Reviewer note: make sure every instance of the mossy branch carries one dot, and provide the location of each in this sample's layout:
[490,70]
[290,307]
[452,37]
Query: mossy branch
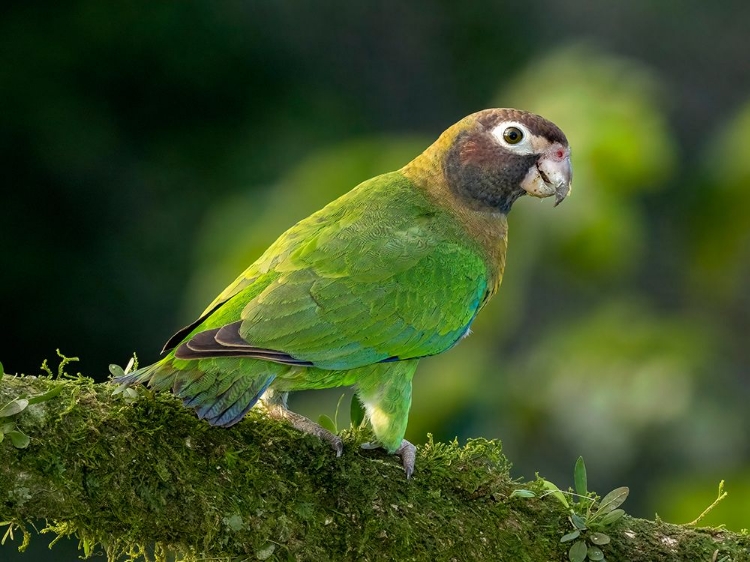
[148,478]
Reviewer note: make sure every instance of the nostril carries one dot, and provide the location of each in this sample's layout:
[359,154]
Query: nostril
[558,153]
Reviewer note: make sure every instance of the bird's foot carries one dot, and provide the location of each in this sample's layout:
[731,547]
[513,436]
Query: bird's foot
[305,425]
[406,451]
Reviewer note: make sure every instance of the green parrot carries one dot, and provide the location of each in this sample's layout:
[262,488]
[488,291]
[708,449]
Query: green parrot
[358,292]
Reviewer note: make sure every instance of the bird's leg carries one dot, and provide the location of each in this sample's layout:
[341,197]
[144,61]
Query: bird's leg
[387,400]
[275,404]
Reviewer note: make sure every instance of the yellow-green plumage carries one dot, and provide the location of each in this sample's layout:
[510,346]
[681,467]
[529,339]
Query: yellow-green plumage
[355,294]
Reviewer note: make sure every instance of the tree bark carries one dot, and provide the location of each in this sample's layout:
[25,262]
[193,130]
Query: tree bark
[144,476]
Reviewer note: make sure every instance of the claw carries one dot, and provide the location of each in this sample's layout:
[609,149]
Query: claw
[408,454]
[406,451]
[337,444]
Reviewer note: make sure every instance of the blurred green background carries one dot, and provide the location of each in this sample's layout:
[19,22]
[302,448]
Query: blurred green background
[151,151]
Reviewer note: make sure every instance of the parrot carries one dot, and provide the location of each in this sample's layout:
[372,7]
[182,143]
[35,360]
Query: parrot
[358,292]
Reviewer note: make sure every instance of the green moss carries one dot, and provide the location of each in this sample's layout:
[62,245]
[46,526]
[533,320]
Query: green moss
[147,479]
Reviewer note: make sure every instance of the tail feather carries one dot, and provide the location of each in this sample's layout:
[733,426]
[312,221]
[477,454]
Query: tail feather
[196,389]
[190,384]
[220,393]
[228,408]
[237,411]
[158,376]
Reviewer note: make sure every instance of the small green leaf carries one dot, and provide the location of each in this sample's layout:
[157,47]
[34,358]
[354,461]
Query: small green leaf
[120,389]
[116,370]
[46,396]
[571,536]
[612,516]
[356,412]
[595,553]
[578,552]
[2,436]
[2,371]
[20,440]
[555,492]
[613,500]
[521,493]
[578,521]
[579,477]
[13,407]
[599,538]
[327,423]
[131,364]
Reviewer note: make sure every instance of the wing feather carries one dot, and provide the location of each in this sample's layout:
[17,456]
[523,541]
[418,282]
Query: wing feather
[378,275]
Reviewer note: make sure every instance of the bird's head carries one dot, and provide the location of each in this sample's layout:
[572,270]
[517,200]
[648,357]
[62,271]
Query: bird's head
[493,157]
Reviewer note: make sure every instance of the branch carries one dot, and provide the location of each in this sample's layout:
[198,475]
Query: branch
[148,478]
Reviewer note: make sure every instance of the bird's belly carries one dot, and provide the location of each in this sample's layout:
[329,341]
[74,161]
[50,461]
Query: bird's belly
[310,378]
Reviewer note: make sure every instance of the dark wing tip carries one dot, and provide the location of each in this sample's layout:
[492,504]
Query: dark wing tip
[226,341]
[183,332]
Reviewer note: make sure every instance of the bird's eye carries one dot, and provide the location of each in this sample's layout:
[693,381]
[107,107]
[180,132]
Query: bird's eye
[513,135]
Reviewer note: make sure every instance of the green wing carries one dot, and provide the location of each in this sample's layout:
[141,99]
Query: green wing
[379,274]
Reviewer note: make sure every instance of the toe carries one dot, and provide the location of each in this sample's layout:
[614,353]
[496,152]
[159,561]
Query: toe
[406,451]
[408,454]
[338,445]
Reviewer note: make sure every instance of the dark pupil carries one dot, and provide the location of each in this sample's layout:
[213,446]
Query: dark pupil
[512,135]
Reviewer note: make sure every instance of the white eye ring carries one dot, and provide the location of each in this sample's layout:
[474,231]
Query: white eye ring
[521,147]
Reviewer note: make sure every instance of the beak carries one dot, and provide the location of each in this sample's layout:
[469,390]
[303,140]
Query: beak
[556,171]
[552,174]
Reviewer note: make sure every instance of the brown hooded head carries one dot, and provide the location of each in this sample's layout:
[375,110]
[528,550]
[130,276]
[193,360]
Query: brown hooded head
[491,158]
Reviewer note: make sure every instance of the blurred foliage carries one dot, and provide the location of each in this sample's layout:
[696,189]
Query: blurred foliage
[622,146]
[155,151]
[623,367]
[720,217]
